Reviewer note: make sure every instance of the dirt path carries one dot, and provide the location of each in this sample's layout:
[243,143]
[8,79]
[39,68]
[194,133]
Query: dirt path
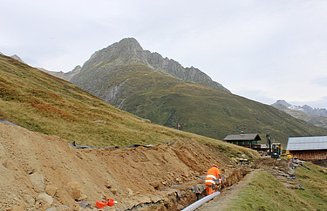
[222,201]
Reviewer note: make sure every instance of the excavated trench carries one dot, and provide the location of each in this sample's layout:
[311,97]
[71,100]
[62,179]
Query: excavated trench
[185,196]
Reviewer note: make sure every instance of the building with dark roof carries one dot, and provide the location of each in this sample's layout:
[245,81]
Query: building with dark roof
[246,140]
[308,148]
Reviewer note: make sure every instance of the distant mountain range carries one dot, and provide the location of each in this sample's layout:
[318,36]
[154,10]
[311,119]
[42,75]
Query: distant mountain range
[163,91]
[17,58]
[315,116]
[66,76]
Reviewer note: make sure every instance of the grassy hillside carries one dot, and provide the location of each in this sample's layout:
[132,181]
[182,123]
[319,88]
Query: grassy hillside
[265,192]
[43,103]
[167,101]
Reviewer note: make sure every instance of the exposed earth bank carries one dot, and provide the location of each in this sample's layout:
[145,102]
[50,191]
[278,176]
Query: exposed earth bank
[40,172]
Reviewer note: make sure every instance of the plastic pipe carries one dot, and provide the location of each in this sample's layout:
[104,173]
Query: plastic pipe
[200,202]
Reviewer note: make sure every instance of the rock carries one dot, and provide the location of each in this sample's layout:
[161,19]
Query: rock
[63,208]
[74,190]
[113,190]
[45,198]
[323,171]
[30,170]
[37,181]
[51,190]
[82,197]
[108,184]
[179,180]
[300,187]
[155,185]
[180,207]
[84,204]
[290,171]
[130,192]
[52,209]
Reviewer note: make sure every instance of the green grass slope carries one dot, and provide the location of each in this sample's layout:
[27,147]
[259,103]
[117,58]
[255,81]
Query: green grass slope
[206,111]
[43,103]
[265,192]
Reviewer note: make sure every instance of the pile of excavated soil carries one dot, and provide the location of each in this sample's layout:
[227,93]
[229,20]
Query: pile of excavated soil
[40,172]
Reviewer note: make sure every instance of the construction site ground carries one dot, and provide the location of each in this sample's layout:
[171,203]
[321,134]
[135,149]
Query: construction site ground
[40,172]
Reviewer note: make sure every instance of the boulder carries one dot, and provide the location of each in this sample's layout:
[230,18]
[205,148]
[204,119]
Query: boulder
[37,181]
[75,190]
[43,197]
[51,190]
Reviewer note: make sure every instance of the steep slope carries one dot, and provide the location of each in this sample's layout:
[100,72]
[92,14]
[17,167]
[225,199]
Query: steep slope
[315,116]
[114,75]
[43,103]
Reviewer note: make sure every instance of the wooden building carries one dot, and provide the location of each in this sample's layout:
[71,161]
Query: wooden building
[246,140]
[308,148]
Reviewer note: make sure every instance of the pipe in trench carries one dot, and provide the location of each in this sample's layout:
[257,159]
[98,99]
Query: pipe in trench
[200,202]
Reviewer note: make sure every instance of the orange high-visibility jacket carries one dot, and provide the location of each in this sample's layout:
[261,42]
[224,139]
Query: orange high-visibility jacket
[212,175]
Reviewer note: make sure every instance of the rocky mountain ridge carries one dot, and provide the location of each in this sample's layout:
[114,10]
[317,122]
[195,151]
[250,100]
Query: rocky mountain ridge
[129,51]
[315,116]
[66,76]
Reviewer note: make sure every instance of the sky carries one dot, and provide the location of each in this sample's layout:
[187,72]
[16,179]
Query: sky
[263,50]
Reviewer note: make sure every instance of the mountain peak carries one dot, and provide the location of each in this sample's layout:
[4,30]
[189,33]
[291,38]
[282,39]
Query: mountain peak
[17,58]
[130,43]
[128,51]
[283,103]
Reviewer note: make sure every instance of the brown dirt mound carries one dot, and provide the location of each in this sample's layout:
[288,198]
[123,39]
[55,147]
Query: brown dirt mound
[39,171]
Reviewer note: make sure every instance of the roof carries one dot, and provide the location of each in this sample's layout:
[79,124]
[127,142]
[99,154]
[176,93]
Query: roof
[243,137]
[307,143]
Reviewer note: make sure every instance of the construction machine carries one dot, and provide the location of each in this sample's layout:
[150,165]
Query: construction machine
[276,150]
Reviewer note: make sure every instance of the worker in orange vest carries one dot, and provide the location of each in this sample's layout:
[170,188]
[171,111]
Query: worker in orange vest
[213,178]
